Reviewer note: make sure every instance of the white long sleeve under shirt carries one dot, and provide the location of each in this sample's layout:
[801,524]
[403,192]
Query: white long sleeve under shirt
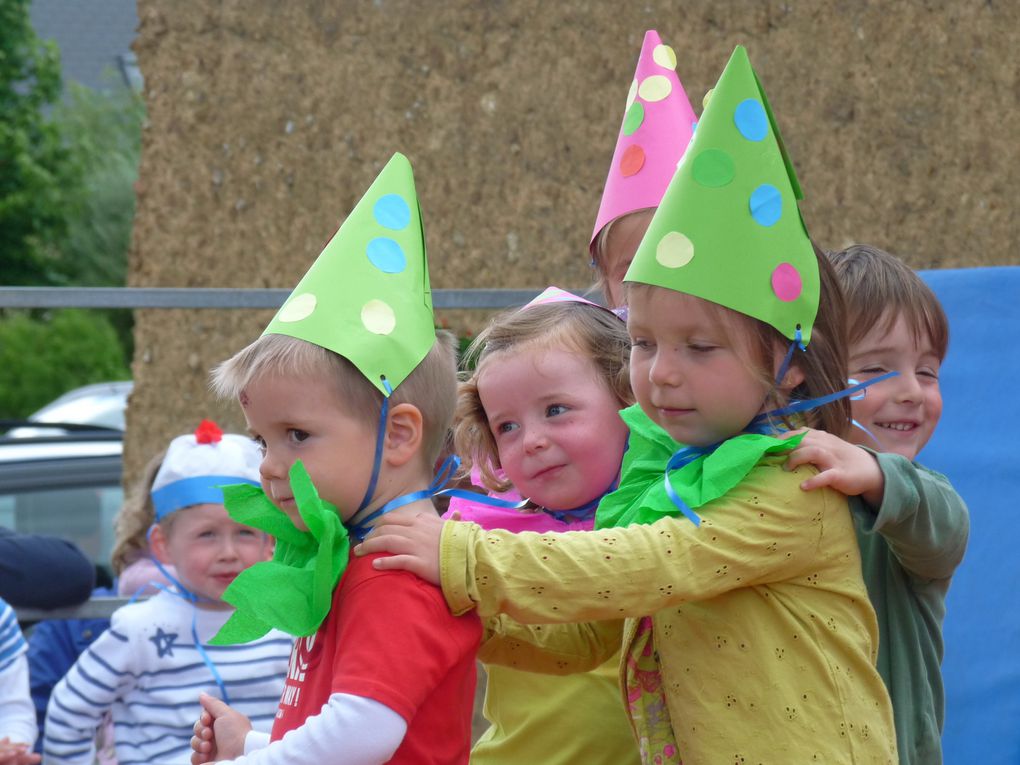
[350,730]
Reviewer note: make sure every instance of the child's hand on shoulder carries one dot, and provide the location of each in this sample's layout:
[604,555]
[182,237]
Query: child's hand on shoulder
[17,754]
[219,732]
[841,465]
[412,544]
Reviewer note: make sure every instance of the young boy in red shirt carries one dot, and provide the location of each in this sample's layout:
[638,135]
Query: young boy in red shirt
[350,394]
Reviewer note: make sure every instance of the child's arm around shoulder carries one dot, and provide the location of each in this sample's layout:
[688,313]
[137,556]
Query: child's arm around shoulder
[922,517]
[916,510]
[841,465]
[614,573]
[412,544]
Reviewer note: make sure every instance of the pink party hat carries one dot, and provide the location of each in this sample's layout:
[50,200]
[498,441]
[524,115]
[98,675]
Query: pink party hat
[657,126]
[557,295]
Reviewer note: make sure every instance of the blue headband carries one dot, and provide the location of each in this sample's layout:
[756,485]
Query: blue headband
[200,490]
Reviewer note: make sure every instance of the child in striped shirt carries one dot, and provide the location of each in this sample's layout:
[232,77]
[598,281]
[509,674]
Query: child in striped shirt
[150,666]
[17,717]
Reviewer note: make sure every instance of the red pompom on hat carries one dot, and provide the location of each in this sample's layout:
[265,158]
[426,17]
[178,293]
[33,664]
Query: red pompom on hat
[208,432]
[197,466]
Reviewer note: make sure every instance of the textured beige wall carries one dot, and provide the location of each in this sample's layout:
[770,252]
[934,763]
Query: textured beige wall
[267,120]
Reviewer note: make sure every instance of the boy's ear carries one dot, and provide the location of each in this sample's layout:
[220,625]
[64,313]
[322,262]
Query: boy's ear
[405,432]
[158,544]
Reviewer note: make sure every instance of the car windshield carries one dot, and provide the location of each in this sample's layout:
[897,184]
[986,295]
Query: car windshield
[100,404]
[107,411]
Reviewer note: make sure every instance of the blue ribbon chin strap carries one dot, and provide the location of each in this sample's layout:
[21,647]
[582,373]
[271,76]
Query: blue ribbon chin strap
[361,523]
[380,437]
[687,454]
[794,407]
[577,514]
[797,342]
[188,596]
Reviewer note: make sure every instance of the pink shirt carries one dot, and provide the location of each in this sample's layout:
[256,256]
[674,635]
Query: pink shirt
[512,520]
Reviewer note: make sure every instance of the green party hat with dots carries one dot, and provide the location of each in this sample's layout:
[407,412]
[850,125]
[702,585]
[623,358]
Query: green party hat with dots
[367,296]
[729,229]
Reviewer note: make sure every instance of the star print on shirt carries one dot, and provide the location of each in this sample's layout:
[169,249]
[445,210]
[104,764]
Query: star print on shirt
[164,642]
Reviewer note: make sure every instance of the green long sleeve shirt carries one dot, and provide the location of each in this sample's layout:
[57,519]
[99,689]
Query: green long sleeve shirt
[910,547]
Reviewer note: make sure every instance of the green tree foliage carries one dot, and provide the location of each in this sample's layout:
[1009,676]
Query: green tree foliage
[35,165]
[102,130]
[42,358]
[67,203]
[67,197]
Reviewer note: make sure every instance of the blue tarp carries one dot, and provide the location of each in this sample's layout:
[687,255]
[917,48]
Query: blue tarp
[975,446]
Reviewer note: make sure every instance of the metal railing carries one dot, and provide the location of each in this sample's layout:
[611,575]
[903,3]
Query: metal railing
[213,297]
[95,607]
[201,298]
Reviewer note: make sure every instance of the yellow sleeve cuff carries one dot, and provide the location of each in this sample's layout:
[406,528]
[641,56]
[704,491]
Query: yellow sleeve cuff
[454,544]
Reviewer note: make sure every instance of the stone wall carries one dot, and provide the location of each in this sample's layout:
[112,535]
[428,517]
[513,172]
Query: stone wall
[267,121]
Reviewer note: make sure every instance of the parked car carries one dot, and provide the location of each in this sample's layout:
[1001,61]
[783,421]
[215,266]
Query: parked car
[100,404]
[65,482]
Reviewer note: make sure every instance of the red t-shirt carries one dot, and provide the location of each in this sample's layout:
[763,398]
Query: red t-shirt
[390,637]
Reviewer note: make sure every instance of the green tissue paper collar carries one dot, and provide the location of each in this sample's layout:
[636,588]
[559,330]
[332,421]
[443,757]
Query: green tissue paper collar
[293,591]
[641,497]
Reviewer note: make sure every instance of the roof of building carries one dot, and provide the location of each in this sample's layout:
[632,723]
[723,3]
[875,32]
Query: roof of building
[94,38]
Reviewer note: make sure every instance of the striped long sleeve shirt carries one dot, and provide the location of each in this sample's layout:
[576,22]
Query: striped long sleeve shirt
[17,715]
[147,671]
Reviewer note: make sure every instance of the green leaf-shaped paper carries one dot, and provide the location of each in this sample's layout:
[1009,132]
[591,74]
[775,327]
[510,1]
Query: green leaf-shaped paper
[294,590]
[728,229]
[367,296]
[642,496]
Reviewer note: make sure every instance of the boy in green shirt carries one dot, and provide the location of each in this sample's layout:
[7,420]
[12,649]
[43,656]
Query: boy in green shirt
[911,525]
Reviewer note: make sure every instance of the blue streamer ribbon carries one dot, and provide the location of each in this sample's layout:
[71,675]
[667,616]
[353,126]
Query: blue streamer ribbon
[687,454]
[188,596]
[797,342]
[576,514]
[361,526]
[681,457]
[807,404]
[857,424]
[584,512]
